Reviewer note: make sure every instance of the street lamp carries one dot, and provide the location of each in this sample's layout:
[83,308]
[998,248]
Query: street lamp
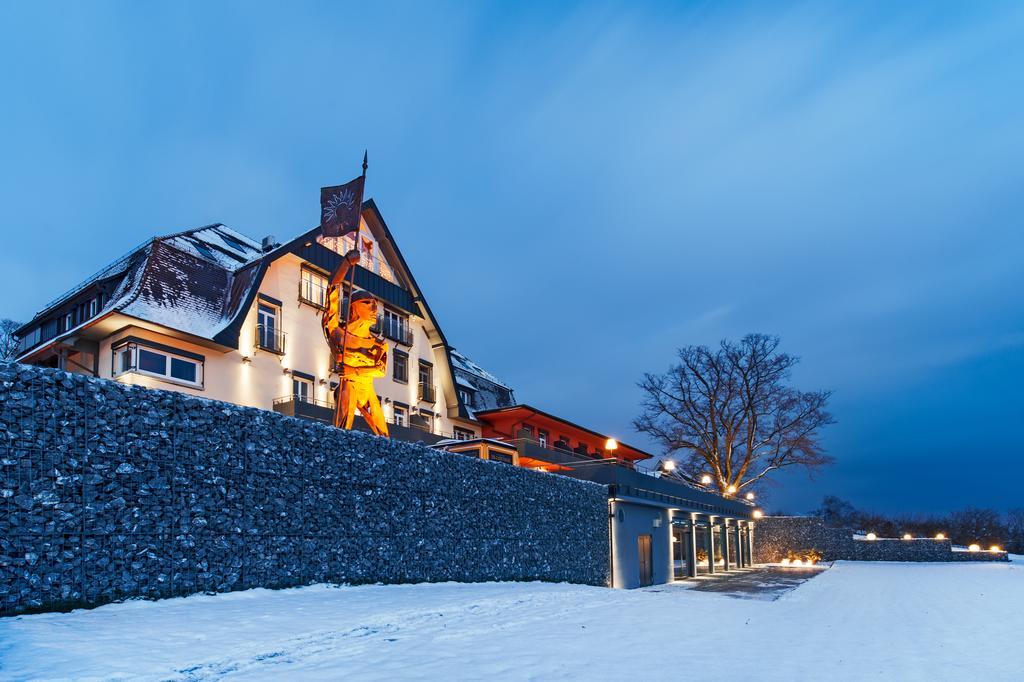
[610,446]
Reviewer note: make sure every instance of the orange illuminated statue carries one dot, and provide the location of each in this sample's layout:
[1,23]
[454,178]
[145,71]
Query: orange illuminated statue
[359,355]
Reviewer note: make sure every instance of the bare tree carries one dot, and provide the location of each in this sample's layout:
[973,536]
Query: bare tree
[731,413]
[8,341]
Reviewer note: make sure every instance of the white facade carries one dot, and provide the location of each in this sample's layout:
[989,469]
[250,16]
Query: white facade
[293,362]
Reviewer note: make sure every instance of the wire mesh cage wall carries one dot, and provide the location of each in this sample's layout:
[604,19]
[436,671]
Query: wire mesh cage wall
[110,491]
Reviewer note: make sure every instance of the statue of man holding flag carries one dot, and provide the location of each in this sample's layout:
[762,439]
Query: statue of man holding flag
[359,355]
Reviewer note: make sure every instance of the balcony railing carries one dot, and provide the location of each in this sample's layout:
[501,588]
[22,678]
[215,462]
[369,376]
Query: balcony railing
[410,428]
[427,393]
[270,338]
[395,329]
[312,293]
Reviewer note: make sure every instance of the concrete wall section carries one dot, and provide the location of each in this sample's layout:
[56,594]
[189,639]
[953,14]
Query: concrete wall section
[629,522]
[111,491]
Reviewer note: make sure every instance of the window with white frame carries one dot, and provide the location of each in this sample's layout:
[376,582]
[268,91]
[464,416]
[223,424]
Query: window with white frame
[401,416]
[159,362]
[395,326]
[313,288]
[93,307]
[464,434]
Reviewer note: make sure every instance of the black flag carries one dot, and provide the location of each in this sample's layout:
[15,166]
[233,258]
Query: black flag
[340,208]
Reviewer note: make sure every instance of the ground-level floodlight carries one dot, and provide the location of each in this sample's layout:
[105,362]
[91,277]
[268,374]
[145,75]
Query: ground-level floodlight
[974,548]
[750,496]
[995,548]
[758,513]
[731,489]
[907,536]
[940,536]
[871,536]
[705,479]
[668,465]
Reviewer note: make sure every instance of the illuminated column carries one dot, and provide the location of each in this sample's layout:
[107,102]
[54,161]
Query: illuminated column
[750,543]
[725,544]
[711,544]
[741,560]
[691,548]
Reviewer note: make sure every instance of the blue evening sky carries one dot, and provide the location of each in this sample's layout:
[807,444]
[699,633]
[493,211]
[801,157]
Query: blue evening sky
[581,188]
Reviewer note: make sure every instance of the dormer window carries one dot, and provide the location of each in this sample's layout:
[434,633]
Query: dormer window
[94,306]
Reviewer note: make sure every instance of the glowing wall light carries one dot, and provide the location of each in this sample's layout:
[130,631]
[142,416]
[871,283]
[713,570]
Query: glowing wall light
[974,548]
[871,536]
[995,548]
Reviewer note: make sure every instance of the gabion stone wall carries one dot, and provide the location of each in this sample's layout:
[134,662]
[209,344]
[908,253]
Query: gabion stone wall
[110,491]
[776,536]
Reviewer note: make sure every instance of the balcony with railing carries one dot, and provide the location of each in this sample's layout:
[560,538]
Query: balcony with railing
[411,429]
[312,293]
[396,329]
[270,338]
[427,393]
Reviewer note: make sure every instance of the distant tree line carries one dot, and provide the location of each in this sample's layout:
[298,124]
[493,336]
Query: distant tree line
[986,527]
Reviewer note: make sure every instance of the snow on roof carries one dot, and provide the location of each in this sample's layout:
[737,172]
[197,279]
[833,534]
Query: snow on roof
[218,244]
[118,267]
[460,361]
[183,291]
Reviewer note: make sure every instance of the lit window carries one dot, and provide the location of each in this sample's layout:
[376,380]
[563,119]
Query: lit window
[313,288]
[302,389]
[426,377]
[268,333]
[395,326]
[159,363]
[400,367]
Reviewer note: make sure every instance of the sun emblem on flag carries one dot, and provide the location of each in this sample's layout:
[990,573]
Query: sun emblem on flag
[339,203]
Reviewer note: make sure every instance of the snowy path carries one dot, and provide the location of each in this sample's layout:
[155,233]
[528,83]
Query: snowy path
[855,621]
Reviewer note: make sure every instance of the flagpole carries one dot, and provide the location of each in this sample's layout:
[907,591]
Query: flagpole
[351,283]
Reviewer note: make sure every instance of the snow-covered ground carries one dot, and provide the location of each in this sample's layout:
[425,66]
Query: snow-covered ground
[853,621]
